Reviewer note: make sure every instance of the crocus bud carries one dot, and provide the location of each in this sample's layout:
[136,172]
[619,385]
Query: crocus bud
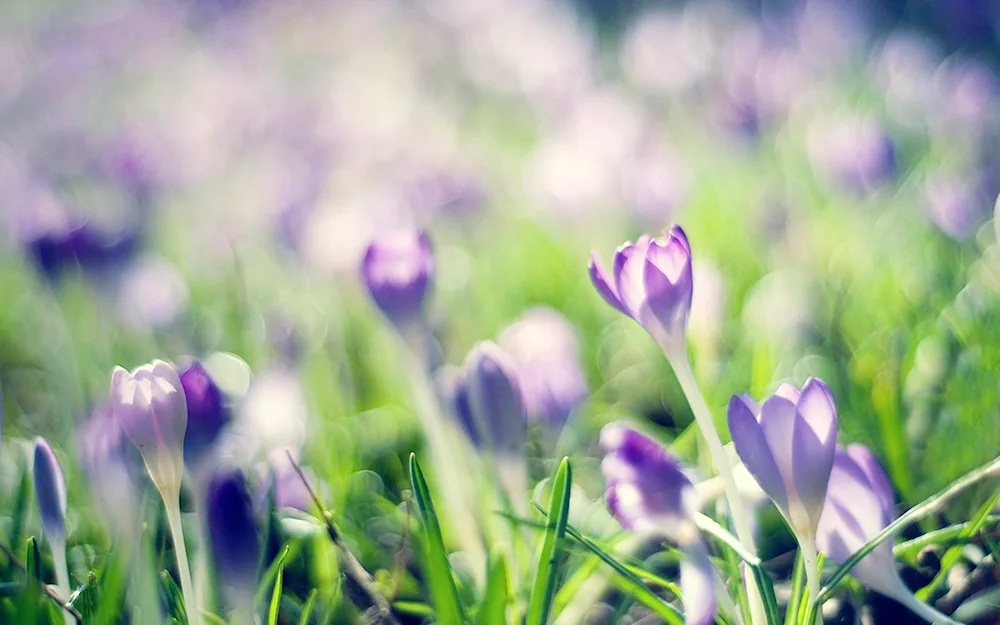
[488,401]
[207,412]
[234,531]
[788,446]
[859,505]
[648,490]
[651,282]
[545,348]
[397,270]
[149,405]
[50,490]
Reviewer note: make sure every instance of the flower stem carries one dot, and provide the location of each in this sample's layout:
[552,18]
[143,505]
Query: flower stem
[923,610]
[807,545]
[58,546]
[171,501]
[678,360]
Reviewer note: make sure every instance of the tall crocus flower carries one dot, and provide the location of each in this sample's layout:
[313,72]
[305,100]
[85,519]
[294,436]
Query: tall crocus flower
[207,412]
[651,282]
[647,490]
[859,505]
[150,407]
[397,270]
[788,445]
[50,491]
[235,535]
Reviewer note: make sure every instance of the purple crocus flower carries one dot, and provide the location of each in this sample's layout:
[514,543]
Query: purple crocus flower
[56,251]
[788,445]
[150,406]
[234,530]
[488,401]
[859,505]
[651,282]
[397,270]
[207,410]
[545,348]
[648,490]
[50,490]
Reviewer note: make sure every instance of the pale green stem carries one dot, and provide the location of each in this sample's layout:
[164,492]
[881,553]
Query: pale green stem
[678,359]
[923,610]
[445,449]
[58,546]
[171,502]
[807,546]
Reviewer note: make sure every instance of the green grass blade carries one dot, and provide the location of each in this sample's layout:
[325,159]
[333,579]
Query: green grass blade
[951,556]
[709,526]
[630,582]
[910,549]
[493,610]
[272,611]
[928,506]
[308,607]
[443,591]
[547,571]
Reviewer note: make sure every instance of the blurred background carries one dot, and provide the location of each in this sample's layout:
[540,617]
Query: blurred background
[188,177]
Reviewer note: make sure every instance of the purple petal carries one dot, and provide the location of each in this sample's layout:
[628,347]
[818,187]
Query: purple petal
[677,234]
[629,266]
[602,282]
[50,489]
[877,478]
[697,585]
[814,442]
[668,288]
[753,449]
[789,392]
[777,421]
[495,399]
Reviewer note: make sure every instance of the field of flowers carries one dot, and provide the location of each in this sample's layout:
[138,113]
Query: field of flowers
[491,312]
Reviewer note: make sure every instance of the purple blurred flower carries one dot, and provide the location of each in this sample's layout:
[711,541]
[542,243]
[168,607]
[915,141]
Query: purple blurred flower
[57,251]
[859,505]
[953,205]
[234,530]
[150,406]
[651,282]
[546,351]
[854,152]
[397,270]
[788,446]
[488,401]
[50,490]
[207,410]
[648,490]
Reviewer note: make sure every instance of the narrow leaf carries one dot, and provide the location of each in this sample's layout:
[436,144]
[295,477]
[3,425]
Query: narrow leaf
[272,611]
[493,610]
[547,571]
[442,583]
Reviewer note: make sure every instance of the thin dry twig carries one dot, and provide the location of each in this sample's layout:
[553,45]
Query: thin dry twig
[45,587]
[352,566]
